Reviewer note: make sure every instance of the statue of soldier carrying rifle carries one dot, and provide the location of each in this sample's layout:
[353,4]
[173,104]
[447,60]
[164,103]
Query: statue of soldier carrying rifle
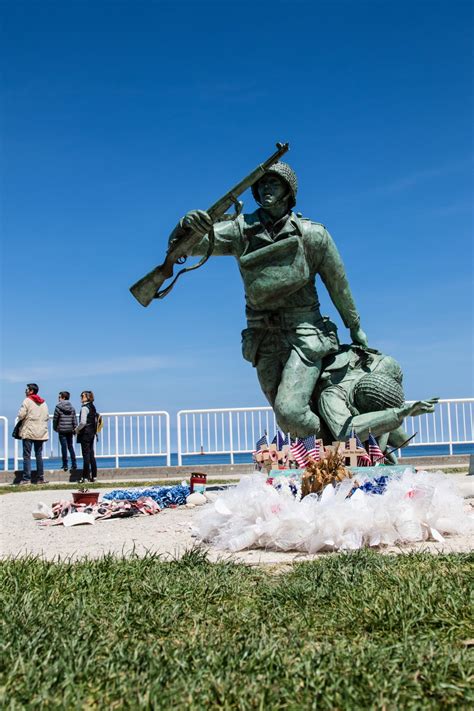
[279,255]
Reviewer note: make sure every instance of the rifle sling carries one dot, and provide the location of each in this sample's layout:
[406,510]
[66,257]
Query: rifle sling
[163,292]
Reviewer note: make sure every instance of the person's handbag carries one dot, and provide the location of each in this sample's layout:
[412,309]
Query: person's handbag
[16,430]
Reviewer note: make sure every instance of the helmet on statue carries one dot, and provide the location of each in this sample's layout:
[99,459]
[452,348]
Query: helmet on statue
[285,173]
[391,367]
[376,391]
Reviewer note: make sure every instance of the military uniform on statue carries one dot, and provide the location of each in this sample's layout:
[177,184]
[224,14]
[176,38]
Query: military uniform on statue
[279,255]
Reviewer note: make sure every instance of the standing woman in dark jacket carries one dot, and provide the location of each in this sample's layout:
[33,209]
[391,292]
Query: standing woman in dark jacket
[86,432]
[65,423]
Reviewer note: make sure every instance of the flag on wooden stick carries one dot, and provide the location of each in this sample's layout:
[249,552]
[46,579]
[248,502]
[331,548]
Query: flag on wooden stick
[305,449]
[262,442]
[375,453]
[363,460]
[280,440]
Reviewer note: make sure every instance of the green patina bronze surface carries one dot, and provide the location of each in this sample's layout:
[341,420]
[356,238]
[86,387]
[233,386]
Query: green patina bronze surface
[315,385]
[280,255]
[360,390]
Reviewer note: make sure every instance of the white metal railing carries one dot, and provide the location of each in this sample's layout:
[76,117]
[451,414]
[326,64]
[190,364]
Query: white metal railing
[222,431]
[451,423]
[125,434]
[233,431]
[4,421]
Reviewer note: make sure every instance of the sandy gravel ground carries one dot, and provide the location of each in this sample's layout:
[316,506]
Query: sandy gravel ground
[169,533]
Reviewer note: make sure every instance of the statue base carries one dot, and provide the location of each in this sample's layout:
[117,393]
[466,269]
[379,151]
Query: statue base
[389,470]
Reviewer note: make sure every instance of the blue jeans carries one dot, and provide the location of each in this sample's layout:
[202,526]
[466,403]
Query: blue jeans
[38,445]
[66,442]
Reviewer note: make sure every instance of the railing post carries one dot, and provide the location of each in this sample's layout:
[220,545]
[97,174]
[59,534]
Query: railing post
[5,442]
[231,439]
[51,437]
[117,458]
[178,437]
[168,440]
[450,431]
[15,452]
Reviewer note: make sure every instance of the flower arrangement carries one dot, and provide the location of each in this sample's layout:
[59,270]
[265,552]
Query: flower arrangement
[329,470]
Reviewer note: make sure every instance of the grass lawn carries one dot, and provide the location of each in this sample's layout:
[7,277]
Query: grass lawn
[347,631]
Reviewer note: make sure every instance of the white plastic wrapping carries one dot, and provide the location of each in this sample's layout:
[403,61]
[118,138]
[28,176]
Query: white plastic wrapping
[42,511]
[414,507]
[77,518]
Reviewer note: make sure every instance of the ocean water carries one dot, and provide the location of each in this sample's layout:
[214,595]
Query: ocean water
[201,460]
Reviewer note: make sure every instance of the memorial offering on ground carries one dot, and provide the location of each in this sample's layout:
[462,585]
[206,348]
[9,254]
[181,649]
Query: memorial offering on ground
[119,503]
[348,514]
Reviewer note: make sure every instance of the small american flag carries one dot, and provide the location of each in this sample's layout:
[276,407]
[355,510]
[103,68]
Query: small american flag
[305,449]
[312,447]
[280,440]
[363,460]
[298,451]
[375,453]
[262,442]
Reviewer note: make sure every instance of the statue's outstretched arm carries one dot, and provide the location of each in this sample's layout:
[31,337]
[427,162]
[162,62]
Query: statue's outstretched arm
[382,421]
[377,423]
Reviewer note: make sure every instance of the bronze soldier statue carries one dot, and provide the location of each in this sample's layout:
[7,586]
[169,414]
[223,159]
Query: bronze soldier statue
[314,385]
[279,255]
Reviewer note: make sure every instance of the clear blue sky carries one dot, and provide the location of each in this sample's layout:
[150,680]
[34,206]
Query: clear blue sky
[118,117]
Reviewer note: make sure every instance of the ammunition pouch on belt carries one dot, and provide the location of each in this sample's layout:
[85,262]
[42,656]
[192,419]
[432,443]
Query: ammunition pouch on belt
[311,335]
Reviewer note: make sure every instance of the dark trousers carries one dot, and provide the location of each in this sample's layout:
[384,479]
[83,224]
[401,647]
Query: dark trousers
[89,466]
[38,445]
[66,442]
